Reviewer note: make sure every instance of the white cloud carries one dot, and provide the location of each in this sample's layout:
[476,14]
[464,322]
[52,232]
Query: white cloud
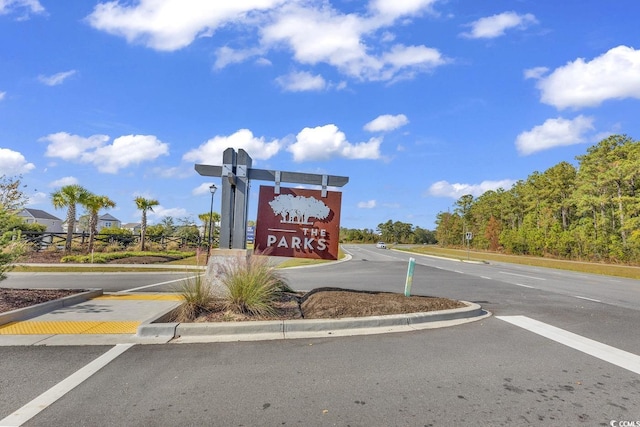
[160,212]
[123,152]
[211,151]
[126,151]
[301,81]
[400,57]
[326,142]
[13,163]
[203,188]
[263,62]
[393,9]
[535,73]
[314,32]
[226,56]
[324,35]
[369,204]
[2,95]
[495,26]
[71,147]
[67,180]
[613,75]
[455,191]
[554,133]
[172,24]
[24,6]
[56,79]
[386,122]
[38,198]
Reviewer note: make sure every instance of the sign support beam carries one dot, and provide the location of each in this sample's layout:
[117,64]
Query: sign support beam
[236,173]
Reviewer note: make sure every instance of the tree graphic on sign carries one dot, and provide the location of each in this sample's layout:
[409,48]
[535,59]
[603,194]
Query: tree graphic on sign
[298,209]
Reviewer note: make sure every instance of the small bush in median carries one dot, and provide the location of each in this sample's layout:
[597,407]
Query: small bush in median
[197,296]
[253,286]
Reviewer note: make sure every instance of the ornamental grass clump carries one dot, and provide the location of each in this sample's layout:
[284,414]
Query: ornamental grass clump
[197,296]
[253,286]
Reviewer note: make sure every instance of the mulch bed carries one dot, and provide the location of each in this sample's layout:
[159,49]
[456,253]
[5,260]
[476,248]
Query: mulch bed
[13,299]
[331,303]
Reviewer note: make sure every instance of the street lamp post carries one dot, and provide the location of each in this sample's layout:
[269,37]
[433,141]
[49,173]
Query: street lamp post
[212,189]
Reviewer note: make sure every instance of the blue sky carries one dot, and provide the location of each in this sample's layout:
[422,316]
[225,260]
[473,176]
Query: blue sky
[418,102]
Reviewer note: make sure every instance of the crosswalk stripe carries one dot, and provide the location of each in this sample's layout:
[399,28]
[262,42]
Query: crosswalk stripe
[613,355]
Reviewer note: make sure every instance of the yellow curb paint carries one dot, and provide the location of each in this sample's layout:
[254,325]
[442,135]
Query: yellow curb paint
[139,297]
[69,327]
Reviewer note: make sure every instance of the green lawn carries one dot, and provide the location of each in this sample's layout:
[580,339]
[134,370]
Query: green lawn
[584,267]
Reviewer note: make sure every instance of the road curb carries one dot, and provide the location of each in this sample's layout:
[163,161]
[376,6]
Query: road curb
[45,307]
[284,329]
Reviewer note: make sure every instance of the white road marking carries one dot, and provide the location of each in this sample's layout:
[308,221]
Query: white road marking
[155,284]
[588,299]
[458,271]
[613,355]
[485,277]
[524,286]
[50,396]
[522,275]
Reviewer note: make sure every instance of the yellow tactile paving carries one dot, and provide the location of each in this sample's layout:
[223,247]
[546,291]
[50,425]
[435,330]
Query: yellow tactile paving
[140,297]
[69,327]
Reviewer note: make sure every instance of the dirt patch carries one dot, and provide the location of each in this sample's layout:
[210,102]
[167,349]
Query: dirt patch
[329,304]
[13,299]
[42,257]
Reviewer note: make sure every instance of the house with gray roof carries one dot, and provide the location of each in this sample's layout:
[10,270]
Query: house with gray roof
[108,221]
[37,216]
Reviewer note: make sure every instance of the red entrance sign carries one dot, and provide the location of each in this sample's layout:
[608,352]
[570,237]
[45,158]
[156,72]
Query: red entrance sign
[298,223]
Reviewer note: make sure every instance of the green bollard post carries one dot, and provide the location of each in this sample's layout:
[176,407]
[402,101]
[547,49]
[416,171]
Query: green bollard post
[409,281]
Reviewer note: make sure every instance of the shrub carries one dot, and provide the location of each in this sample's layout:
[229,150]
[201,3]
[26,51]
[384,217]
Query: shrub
[111,247]
[253,285]
[197,296]
[10,253]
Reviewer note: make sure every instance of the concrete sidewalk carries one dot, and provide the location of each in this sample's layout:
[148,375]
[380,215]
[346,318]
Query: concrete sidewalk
[87,318]
[94,318]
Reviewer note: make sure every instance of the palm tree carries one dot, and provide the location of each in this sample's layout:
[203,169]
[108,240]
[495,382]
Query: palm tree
[144,205]
[94,203]
[69,196]
[207,219]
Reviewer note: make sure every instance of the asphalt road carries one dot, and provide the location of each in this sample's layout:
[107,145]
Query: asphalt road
[492,372]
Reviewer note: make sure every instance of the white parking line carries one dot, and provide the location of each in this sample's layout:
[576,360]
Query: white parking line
[588,299]
[613,355]
[155,284]
[49,397]
[522,275]
[524,286]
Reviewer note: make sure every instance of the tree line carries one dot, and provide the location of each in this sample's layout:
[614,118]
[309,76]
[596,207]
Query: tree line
[589,212]
[390,232]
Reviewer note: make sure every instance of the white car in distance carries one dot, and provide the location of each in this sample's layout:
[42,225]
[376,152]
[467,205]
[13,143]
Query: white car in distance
[381,245]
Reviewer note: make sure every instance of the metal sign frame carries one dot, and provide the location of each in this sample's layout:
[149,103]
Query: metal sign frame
[236,173]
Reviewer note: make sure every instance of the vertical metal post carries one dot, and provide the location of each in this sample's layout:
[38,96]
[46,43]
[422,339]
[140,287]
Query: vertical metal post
[212,189]
[228,197]
[243,163]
